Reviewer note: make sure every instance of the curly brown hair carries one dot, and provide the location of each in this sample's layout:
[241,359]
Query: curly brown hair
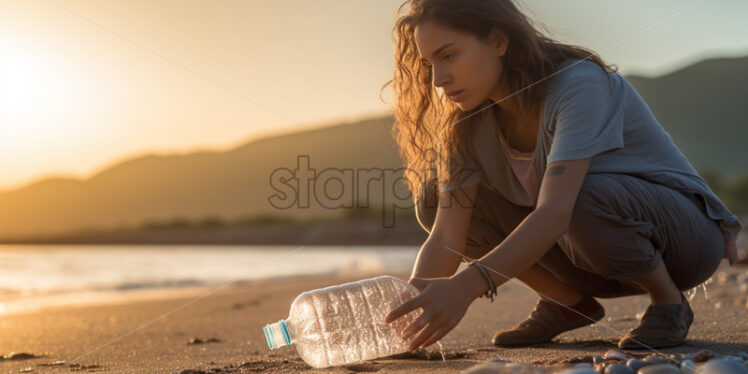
[430,131]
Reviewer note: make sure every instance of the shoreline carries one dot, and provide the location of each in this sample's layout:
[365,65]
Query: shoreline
[354,232]
[49,302]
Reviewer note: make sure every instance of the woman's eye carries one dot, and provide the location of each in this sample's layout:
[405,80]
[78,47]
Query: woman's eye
[445,57]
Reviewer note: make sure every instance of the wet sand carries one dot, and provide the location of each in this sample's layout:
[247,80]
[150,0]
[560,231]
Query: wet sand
[222,332]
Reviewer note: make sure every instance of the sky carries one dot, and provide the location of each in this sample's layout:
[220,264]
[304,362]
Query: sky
[85,84]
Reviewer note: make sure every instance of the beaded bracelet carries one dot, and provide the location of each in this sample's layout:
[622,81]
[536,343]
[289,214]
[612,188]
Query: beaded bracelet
[491,286]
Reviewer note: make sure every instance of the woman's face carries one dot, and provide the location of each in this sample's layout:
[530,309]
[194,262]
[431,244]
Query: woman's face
[461,64]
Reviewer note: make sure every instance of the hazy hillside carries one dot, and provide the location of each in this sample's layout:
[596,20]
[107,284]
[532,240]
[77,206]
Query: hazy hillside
[701,106]
[230,184]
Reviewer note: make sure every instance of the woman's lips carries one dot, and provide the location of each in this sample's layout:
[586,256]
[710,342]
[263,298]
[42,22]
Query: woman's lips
[455,96]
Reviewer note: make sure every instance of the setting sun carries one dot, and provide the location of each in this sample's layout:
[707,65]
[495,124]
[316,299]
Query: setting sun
[39,92]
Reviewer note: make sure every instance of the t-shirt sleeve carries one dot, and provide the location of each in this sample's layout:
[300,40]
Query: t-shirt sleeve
[464,173]
[588,116]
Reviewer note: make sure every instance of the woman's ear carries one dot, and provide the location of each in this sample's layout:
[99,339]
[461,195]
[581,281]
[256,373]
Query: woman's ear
[501,42]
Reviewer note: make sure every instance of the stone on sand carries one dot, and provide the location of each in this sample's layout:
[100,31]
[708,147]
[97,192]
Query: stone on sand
[723,366]
[501,368]
[618,369]
[659,369]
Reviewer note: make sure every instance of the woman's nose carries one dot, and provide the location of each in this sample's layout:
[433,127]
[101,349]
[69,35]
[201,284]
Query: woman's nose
[440,78]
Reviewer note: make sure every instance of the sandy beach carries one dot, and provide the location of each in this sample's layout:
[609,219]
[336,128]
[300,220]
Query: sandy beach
[222,332]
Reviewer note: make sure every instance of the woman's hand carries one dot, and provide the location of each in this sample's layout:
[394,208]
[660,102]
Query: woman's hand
[444,303]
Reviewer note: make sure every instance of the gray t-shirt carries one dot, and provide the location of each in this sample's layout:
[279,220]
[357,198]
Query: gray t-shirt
[588,116]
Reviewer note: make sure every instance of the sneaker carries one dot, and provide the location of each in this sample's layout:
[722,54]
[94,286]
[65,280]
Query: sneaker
[549,319]
[661,326]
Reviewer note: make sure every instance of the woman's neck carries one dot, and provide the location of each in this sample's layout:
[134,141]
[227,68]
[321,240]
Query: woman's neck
[520,132]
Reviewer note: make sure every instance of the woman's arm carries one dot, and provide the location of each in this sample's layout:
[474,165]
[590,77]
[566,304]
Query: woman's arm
[450,230]
[445,301]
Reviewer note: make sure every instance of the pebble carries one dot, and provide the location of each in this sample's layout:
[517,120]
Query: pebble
[687,367]
[19,356]
[487,368]
[651,360]
[501,368]
[580,370]
[659,369]
[611,363]
[702,356]
[575,360]
[635,364]
[519,368]
[722,366]
[618,369]
[616,355]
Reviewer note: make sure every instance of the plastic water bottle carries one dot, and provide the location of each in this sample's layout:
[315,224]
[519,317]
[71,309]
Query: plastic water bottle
[342,324]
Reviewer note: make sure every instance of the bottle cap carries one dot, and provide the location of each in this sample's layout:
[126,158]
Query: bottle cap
[276,334]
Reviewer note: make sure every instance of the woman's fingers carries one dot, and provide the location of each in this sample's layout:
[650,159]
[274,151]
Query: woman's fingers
[416,325]
[425,334]
[435,337]
[403,309]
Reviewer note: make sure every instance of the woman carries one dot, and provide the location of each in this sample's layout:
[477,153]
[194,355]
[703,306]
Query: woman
[544,164]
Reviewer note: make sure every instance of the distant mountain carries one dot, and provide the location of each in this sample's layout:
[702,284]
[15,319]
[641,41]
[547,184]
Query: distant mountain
[702,107]
[228,184]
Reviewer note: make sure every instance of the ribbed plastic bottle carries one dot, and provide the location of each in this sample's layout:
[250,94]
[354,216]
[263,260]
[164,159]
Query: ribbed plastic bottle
[342,324]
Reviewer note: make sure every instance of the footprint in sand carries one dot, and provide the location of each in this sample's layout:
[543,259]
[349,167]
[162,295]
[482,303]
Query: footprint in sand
[271,366]
[257,301]
[15,356]
[56,363]
[362,368]
[433,355]
[88,368]
[194,341]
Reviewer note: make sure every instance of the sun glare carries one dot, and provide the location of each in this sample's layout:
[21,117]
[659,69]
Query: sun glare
[29,79]
[42,93]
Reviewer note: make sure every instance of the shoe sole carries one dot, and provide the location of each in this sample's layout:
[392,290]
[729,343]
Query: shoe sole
[640,347]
